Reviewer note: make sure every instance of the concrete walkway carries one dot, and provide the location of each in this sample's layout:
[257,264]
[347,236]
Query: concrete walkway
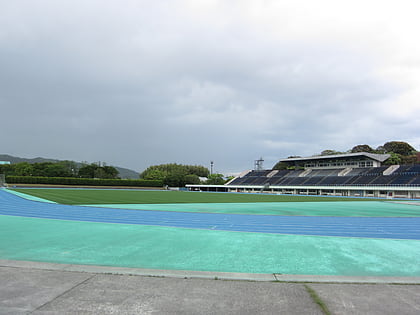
[43,288]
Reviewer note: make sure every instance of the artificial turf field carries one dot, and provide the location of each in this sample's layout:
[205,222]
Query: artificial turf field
[163,247]
[121,196]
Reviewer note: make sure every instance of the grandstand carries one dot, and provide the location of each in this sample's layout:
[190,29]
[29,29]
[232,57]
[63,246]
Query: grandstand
[355,174]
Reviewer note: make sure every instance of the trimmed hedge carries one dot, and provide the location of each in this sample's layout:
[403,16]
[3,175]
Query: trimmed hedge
[82,181]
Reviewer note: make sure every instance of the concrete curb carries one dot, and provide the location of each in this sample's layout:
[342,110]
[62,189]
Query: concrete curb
[215,275]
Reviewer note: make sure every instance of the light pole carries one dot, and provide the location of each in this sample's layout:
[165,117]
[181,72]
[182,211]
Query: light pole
[211,167]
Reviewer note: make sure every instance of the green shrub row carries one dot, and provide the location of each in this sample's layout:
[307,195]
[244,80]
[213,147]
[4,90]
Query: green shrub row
[82,181]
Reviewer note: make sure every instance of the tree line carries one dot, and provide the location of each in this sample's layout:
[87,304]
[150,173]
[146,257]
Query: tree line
[60,169]
[178,175]
[173,175]
[401,152]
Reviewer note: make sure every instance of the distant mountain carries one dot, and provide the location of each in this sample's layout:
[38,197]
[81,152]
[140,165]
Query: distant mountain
[14,159]
[123,172]
[127,173]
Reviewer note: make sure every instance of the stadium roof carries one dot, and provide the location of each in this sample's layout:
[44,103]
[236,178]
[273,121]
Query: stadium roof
[377,157]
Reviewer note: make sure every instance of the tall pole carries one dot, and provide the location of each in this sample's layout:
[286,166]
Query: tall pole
[211,167]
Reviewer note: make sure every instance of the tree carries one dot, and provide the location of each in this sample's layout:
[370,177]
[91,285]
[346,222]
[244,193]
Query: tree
[362,148]
[95,171]
[154,174]
[39,168]
[50,169]
[215,179]
[330,152]
[163,170]
[198,170]
[87,171]
[394,159]
[23,169]
[229,178]
[70,166]
[281,166]
[192,179]
[57,170]
[399,147]
[409,159]
[7,169]
[175,180]
[380,150]
[110,172]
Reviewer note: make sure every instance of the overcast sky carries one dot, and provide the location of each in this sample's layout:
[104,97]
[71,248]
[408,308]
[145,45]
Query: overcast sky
[137,83]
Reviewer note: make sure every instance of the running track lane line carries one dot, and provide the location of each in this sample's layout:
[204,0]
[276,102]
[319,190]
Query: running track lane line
[370,227]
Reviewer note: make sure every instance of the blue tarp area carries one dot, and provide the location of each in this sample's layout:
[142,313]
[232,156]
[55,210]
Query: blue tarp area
[367,227]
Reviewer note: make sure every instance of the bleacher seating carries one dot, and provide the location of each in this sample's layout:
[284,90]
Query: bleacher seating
[403,175]
[415,181]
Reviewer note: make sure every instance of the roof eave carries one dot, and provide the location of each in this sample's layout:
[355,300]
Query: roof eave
[377,157]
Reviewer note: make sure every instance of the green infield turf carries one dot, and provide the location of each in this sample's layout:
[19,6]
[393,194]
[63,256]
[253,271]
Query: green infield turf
[116,196]
[336,209]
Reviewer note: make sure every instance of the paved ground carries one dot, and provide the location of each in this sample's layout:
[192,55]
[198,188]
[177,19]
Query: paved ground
[38,288]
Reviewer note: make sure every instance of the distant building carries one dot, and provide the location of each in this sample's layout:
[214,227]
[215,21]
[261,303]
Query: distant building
[4,162]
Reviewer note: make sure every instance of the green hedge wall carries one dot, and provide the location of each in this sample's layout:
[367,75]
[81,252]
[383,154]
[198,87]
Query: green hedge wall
[82,181]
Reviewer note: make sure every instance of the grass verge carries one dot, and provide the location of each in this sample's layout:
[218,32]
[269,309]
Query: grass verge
[315,297]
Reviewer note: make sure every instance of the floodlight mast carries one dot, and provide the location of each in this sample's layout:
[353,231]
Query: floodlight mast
[258,164]
[211,167]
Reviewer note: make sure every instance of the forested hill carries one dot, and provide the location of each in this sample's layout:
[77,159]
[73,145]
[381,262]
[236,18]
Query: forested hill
[123,172]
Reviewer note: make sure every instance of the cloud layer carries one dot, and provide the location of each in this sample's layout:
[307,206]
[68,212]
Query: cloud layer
[137,83]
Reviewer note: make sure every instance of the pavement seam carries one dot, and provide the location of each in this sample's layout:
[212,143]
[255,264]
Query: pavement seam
[63,293]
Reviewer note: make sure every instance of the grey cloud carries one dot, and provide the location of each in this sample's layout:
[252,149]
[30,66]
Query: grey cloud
[140,84]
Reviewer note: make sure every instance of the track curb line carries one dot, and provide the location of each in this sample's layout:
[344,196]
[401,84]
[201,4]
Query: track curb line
[211,275]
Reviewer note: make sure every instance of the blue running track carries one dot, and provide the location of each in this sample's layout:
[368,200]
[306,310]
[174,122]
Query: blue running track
[370,227]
